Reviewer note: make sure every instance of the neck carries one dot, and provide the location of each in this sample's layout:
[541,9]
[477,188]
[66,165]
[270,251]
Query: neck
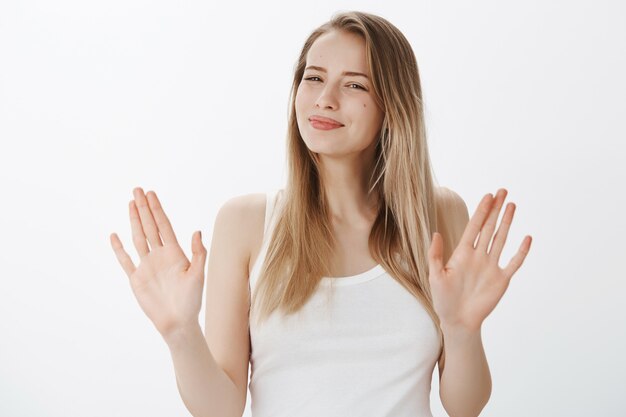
[346,185]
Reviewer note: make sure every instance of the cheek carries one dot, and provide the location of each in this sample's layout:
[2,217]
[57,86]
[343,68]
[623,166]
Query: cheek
[301,97]
[370,110]
[298,102]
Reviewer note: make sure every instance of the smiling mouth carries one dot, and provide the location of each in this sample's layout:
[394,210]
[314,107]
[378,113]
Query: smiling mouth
[317,124]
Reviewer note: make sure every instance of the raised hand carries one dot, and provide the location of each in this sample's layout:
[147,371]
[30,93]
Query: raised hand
[167,286]
[467,289]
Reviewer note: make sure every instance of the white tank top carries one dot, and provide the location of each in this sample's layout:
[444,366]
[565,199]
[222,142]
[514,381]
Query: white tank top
[367,350]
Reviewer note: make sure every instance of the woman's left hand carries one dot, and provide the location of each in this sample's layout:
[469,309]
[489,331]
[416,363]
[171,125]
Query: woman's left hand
[467,289]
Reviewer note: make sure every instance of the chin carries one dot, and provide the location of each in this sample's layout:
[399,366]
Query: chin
[321,143]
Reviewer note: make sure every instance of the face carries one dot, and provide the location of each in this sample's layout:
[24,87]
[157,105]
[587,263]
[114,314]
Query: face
[328,91]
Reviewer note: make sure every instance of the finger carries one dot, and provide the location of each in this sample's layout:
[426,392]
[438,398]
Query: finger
[473,226]
[503,231]
[486,233]
[139,238]
[198,255]
[519,257]
[122,256]
[147,221]
[162,222]
[435,255]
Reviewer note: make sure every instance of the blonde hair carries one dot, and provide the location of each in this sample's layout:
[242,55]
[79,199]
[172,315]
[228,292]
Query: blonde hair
[302,242]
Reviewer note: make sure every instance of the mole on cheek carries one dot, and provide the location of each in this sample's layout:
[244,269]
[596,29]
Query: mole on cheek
[364,105]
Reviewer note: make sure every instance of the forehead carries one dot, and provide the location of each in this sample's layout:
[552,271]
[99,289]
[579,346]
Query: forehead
[338,51]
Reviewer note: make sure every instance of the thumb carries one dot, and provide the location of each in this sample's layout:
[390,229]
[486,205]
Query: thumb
[198,255]
[435,253]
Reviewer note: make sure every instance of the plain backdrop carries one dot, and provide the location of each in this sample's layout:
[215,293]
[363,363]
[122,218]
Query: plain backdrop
[190,99]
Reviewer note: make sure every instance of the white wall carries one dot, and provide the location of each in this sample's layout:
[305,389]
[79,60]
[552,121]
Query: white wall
[190,99]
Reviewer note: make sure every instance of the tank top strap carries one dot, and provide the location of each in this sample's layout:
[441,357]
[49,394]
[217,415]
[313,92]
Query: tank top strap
[271,218]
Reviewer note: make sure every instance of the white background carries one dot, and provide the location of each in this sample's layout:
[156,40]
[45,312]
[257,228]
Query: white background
[190,99]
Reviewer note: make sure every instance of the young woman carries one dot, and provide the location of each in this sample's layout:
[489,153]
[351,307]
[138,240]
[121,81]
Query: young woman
[346,287]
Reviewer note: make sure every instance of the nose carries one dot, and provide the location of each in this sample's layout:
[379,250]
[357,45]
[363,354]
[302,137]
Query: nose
[327,98]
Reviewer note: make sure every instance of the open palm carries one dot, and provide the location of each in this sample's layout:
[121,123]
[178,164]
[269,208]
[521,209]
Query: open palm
[467,289]
[167,286]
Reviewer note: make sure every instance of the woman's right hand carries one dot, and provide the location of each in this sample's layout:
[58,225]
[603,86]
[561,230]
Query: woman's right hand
[167,286]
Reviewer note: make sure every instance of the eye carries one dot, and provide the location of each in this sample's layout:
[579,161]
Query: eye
[358,86]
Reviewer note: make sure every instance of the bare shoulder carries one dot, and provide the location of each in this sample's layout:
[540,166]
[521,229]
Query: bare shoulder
[452,211]
[246,203]
[451,200]
[452,219]
[247,215]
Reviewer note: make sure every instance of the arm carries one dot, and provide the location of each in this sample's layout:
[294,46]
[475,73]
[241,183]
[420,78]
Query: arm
[212,369]
[204,388]
[465,380]
[466,289]
[465,385]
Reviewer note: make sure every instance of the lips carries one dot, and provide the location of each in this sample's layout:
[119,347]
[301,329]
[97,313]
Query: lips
[326,121]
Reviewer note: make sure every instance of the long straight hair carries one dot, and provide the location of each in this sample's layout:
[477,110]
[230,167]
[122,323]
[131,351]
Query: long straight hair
[302,242]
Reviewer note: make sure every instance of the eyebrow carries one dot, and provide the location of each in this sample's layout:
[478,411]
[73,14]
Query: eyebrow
[349,73]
